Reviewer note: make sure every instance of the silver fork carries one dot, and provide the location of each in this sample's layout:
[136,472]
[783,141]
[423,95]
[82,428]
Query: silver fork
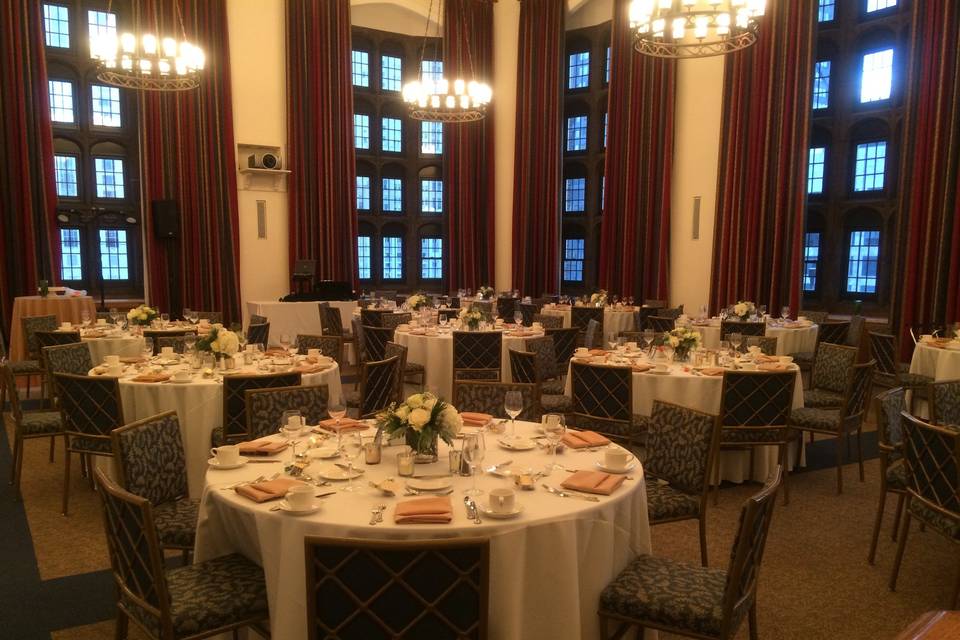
[240,484]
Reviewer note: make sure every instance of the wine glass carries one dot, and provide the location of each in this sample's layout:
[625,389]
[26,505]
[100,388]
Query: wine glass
[189,342]
[647,336]
[285,341]
[350,448]
[443,319]
[85,317]
[194,316]
[164,319]
[513,405]
[518,318]
[114,315]
[785,313]
[554,428]
[147,350]
[736,339]
[473,452]
[186,313]
[762,310]
[337,411]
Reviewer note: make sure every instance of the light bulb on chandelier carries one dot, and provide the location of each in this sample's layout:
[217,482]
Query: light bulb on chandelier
[694,28]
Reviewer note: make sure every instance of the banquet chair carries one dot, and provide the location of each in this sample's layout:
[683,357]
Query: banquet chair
[603,401]
[51,339]
[265,407]
[670,312]
[32,365]
[481,396]
[477,355]
[631,336]
[255,319]
[373,317]
[485,307]
[27,425]
[506,307]
[386,294]
[436,589]
[453,301]
[768,345]
[816,317]
[580,318]
[378,387]
[932,457]
[331,325]
[407,369]
[330,346]
[945,402]
[841,422]
[655,304]
[523,368]
[659,593]
[592,338]
[359,339]
[150,463]
[890,371]
[375,339]
[178,343]
[528,310]
[68,358]
[90,408]
[259,334]
[185,603]
[754,412]
[394,320]
[828,380]
[213,317]
[829,331]
[234,422]
[681,452]
[549,371]
[893,472]
[157,335]
[743,328]
[641,317]
[855,331]
[548,321]
[450,314]
[564,345]
[661,324]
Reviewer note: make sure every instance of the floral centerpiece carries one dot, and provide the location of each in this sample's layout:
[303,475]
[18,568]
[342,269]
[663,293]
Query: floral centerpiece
[471,317]
[142,315]
[418,301]
[683,340]
[220,342]
[744,309]
[422,419]
[599,299]
[485,293]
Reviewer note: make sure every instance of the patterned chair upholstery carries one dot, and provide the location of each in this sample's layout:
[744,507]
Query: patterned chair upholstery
[359,339]
[407,369]
[394,320]
[855,331]
[890,371]
[32,364]
[592,338]
[258,333]
[373,317]
[680,453]
[506,306]
[378,387]
[234,427]
[816,317]
[330,346]
[481,396]
[580,318]
[523,368]
[255,319]
[151,464]
[932,457]
[26,425]
[265,407]
[178,343]
[661,324]
[449,314]
[547,363]
[477,355]
[449,577]
[188,602]
[828,380]
[375,339]
[603,401]
[564,345]
[528,310]
[331,322]
[548,321]
[485,307]
[90,409]
[889,405]
[945,402]
[829,331]
[213,317]
[55,338]
[768,346]
[677,597]
[165,337]
[743,328]
[843,421]
[68,358]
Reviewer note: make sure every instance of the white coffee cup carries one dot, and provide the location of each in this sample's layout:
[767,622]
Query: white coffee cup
[314,353]
[115,370]
[111,360]
[65,326]
[748,366]
[181,376]
[632,346]
[101,321]
[227,454]
[616,458]
[502,500]
[166,352]
[300,496]
[581,352]
[785,359]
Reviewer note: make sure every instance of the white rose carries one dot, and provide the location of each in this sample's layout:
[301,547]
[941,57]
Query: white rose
[429,403]
[674,341]
[451,419]
[740,309]
[143,315]
[229,343]
[403,412]
[415,401]
[418,418]
[215,345]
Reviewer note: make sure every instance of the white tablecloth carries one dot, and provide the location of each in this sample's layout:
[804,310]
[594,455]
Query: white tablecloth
[293,318]
[124,345]
[704,393]
[614,320]
[788,340]
[548,566]
[435,353]
[199,407]
[935,362]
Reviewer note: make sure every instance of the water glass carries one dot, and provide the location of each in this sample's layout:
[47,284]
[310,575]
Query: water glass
[554,428]
[513,405]
[164,319]
[85,317]
[114,315]
[351,447]
[473,452]
[147,348]
[785,313]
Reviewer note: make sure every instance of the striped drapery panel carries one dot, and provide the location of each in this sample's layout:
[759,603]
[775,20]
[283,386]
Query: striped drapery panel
[468,160]
[635,231]
[188,155]
[29,250]
[758,233]
[322,189]
[537,164]
[928,287]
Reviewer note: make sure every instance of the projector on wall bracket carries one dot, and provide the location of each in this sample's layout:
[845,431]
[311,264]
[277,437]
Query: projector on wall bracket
[264,160]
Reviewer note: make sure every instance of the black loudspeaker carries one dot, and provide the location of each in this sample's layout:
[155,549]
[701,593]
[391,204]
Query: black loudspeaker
[166,219]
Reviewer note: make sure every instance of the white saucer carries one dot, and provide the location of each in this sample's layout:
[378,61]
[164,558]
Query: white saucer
[429,484]
[500,515]
[323,453]
[294,433]
[627,469]
[658,373]
[214,464]
[336,473]
[166,361]
[175,381]
[283,505]
[520,444]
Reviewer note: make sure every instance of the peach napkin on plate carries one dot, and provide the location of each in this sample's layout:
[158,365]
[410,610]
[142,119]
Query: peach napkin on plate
[765,358]
[346,424]
[132,359]
[472,419]
[310,368]
[262,446]
[152,377]
[640,368]
[772,366]
[582,439]
[269,490]
[275,351]
[593,482]
[598,352]
[712,371]
[435,510]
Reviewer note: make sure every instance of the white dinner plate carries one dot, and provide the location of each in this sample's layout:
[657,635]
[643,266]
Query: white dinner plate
[658,373]
[166,361]
[627,469]
[336,473]
[283,505]
[175,381]
[429,484]
[323,453]
[518,444]
[215,464]
[500,515]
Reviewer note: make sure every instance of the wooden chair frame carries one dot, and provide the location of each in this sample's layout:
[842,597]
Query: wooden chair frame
[478,353]
[375,394]
[9,386]
[888,447]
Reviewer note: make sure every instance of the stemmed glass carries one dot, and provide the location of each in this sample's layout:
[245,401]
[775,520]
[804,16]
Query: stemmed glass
[337,411]
[736,339]
[147,351]
[194,316]
[189,342]
[647,336]
[518,318]
[554,428]
[285,342]
[350,448]
[473,452]
[513,405]
[85,317]
[186,313]
[443,319]
[164,319]
[114,315]
[785,313]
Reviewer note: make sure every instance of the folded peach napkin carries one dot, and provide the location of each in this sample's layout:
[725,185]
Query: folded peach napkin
[131,359]
[152,377]
[581,439]
[593,482]
[262,447]
[269,490]
[597,352]
[640,368]
[712,371]
[435,510]
[346,424]
[772,366]
[94,334]
[471,419]
[274,351]
[310,368]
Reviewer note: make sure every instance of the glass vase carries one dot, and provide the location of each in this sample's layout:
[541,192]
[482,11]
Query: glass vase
[425,446]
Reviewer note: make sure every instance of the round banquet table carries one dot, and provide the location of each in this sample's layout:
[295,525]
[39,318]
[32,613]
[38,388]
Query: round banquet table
[704,393]
[790,339]
[199,407]
[114,343]
[66,308]
[939,363]
[434,350]
[615,319]
[293,318]
[547,566]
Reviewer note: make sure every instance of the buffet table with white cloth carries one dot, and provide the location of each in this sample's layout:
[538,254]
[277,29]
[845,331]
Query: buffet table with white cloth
[65,308]
[293,318]
[793,338]
[548,565]
[615,319]
[116,343]
[940,361]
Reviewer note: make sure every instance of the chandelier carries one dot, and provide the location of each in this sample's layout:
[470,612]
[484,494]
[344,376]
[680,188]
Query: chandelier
[433,97]
[694,28]
[147,61]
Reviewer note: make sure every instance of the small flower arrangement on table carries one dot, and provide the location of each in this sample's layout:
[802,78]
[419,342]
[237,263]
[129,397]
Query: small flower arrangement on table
[220,342]
[485,293]
[683,340]
[418,301]
[471,317]
[599,298]
[142,315]
[744,309]
[423,420]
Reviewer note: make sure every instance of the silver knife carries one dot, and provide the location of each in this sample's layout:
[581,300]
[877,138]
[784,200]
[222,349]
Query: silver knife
[564,494]
[432,476]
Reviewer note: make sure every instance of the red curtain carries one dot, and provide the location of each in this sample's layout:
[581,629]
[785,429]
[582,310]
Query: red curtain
[758,240]
[635,231]
[29,249]
[322,185]
[537,164]
[929,194]
[188,155]
[468,157]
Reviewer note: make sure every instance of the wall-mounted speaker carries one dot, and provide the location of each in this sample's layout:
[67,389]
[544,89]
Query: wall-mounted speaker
[264,160]
[166,219]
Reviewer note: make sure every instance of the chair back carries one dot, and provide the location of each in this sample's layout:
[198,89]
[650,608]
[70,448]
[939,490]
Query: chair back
[235,400]
[90,406]
[213,317]
[932,455]
[592,336]
[528,310]
[833,331]
[564,344]
[54,338]
[397,350]
[149,458]
[506,306]
[746,555]
[357,327]
[546,356]
[889,405]
[523,366]
[9,384]
[548,321]
[259,334]
[580,317]
[831,365]
[743,328]
[632,336]
[857,394]
[68,358]
[682,446]
[453,301]
[265,407]
[157,336]
[179,343]
[661,324]
[768,345]
[855,331]
[816,317]
[394,320]
[755,406]
[378,385]
[373,317]
[477,355]
[481,396]
[359,588]
[655,304]
[451,314]
[329,345]
[375,339]
[30,326]
[945,402]
[255,319]
[485,307]
[883,349]
[672,312]
[331,322]
[602,394]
